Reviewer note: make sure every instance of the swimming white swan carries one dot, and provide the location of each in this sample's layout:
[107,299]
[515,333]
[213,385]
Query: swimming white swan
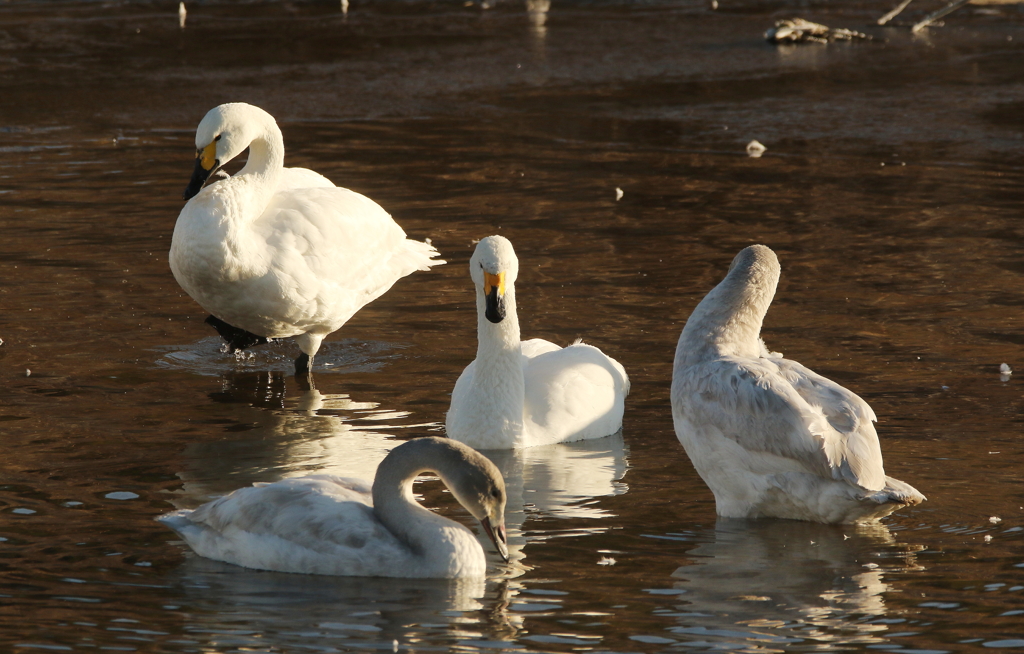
[275,252]
[329,525]
[521,394]
[770,437]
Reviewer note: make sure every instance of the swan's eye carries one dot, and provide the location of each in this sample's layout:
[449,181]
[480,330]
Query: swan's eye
[217,138]
[496,494]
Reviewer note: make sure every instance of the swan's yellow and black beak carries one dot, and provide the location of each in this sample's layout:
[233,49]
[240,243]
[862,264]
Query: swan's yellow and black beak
[206,164]
[496,532]
[494,293]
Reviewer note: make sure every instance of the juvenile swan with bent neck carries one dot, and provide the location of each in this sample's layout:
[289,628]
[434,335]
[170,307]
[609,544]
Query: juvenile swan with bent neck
[525,393]
[275,252]
[328,525]
[768,436]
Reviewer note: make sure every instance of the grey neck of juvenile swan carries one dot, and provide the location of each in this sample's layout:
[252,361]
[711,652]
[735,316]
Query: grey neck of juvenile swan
[393,501]
[727,322]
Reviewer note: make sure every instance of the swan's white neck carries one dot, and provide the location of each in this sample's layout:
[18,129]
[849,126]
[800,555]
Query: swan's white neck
[727,322]
[432,539]
[500,385]
[263,169]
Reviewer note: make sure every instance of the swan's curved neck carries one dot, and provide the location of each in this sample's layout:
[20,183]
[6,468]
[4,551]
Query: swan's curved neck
[266,156]
[398,510]
[727,322]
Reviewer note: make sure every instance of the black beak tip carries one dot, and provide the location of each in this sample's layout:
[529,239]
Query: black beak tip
[493,315]
[495,307]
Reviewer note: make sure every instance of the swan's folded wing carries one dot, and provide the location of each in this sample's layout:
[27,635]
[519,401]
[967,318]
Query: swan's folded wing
[575,391]
[851,444]
[320,524]
[330,245]
[780,407]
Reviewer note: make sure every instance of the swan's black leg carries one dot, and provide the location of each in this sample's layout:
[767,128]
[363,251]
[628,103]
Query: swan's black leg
[303,365]
[237,339]
[305,382]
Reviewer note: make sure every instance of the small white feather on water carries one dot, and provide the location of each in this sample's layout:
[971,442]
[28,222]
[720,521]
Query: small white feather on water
[755,149]
[181,15]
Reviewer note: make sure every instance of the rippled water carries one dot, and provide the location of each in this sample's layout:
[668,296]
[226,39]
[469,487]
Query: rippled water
[891,189]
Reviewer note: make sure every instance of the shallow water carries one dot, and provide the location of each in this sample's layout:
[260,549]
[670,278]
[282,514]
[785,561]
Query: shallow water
[901,281]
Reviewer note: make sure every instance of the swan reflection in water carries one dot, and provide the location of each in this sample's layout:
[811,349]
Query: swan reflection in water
[269,434]
[235,608]
[786,581]
[562,480]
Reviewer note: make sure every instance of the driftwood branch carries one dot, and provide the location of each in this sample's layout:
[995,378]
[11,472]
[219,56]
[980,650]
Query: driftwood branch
[932,17]
[894,13]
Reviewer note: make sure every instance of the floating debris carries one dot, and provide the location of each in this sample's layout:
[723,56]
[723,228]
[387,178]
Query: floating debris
[995,520]
[1004,372]
[606,560]
[618,193]
[181,15]
[988,538]
[344,8]
[798,30]
[28,373]
[755,149]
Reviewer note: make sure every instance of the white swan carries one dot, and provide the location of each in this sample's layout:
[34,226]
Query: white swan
[521,394]
[768,436]
[329,525]
[275,252]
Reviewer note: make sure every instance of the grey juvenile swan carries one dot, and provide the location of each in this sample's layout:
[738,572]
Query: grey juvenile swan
[770,437]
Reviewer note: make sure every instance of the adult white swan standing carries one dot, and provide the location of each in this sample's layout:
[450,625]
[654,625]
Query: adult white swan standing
[770,437]
[521,394]
[275,252]
[329,525]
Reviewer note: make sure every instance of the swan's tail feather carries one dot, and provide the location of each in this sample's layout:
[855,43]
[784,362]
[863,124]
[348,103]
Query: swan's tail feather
[902,492]
[422,254]
[178,521]
[896,492]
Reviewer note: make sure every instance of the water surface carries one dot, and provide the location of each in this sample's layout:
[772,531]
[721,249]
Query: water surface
[891,190]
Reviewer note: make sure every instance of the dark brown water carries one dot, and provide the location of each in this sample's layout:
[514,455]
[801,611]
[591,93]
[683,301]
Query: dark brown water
[891,189]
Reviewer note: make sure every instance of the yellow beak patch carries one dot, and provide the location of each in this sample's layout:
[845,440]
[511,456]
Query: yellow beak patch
[494,281]
[208,156]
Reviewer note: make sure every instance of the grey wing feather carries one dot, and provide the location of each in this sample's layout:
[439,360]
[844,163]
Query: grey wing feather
[318,512]
[778,406]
